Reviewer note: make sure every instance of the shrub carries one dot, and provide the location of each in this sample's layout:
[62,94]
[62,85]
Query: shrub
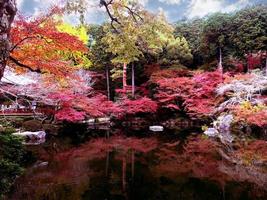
[11,157]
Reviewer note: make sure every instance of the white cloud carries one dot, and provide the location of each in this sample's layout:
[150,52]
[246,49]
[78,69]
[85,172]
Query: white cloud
[143,2]
[19,3]
[164,12]
[238,5]
[200,8]
[93,14]
[171,1]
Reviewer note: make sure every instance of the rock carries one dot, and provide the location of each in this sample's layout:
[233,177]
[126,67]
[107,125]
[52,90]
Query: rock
[103,120]
[32,138]
[91,121]
[40,164]
[211,132]
[156,128]
[221,129]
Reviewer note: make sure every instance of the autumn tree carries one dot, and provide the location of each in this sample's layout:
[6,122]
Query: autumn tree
[7,13]
[132,31]
[129,38]
[38,45]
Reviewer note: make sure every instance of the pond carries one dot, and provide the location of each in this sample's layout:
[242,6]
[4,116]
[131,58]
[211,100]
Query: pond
[161,166]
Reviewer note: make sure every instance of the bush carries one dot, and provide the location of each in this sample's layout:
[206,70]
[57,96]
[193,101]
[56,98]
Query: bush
[11,158]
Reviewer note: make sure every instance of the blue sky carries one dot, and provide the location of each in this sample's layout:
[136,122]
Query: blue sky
[173,9]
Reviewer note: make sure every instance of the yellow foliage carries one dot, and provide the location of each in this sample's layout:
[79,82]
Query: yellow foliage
[79,32]
[246,105]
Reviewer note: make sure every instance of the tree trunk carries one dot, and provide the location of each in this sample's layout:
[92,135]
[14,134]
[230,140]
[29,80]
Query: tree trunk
[133,162]
[133,81]
[107,163]
[124,164]
[220,67]
[124,76]
[108,84]
[7,13]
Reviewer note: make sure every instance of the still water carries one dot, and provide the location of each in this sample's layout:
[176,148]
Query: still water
[154,167]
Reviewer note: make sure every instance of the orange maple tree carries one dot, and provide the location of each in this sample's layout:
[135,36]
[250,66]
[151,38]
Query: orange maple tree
[39,46]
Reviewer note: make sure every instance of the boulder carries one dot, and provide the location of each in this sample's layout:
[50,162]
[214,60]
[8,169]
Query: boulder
[32,138]
[156,128]
[211,132]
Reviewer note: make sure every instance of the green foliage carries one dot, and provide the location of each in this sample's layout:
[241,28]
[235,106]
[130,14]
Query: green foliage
[116,73]
[191,30]
[176,53]
[8,172]
[236,34]
[98,55]
[11,155]
[123,45]
[248,30]
[215,35]
[135,35]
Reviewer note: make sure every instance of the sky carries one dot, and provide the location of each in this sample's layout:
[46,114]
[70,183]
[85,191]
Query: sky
[174,9]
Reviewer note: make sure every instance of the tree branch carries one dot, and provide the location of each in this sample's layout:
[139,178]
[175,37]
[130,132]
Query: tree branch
[16,45]
[23,65]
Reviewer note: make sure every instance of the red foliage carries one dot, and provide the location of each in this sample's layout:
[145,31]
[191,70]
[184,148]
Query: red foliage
[150,69]
[250,116]
[257,148]
[39,46]
[196,94]
[98,106]
[169,73]
[253,60]
[143,105]
[70,115]
[239,65]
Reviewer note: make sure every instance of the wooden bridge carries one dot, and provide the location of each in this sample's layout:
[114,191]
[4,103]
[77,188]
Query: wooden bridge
[21,115]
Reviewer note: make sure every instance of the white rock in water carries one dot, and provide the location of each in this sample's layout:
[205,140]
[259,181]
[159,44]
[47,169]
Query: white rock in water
[37,137]
[91,121]
[211,132]
[104,120]
[156,128]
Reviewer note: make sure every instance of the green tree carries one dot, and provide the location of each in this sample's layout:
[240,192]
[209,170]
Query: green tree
[191,30]
[131,37]
[176,52]
[101,59]
[248,30]
[214,39]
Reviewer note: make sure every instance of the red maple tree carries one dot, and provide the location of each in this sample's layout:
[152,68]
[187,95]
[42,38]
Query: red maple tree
[39,46]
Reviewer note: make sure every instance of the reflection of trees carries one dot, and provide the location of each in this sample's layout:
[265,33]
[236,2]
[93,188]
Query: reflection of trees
[73,170]
[202,159]
[119,167]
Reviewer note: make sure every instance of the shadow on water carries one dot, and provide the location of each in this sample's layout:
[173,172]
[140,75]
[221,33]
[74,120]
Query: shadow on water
[139,166]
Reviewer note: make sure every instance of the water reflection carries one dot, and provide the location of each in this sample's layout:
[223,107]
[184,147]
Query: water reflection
[150,168]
